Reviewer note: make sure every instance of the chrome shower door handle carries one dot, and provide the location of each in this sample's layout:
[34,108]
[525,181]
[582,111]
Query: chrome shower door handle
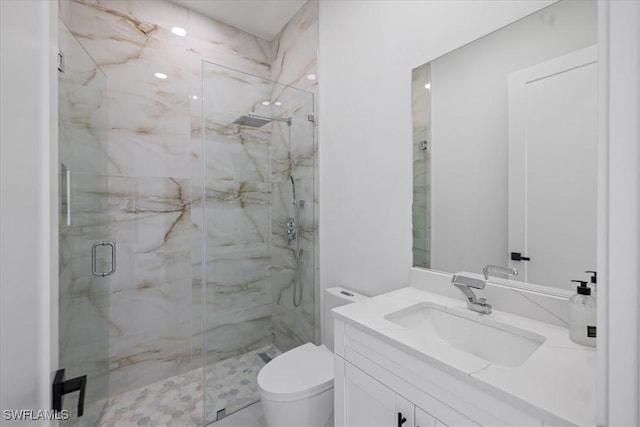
[94,259]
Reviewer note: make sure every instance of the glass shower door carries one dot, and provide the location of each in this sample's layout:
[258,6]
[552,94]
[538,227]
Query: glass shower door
[258,218]
[86,256]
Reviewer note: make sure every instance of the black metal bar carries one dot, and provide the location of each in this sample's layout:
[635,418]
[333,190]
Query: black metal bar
[517,256]
[56,391]
[61,387]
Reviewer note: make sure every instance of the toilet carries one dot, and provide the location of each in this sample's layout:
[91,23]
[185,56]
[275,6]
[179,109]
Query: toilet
[296,388]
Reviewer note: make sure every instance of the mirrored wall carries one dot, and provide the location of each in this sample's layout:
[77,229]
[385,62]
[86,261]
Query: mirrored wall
[507,175]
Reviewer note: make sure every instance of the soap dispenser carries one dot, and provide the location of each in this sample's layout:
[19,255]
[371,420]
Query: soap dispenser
[582,315]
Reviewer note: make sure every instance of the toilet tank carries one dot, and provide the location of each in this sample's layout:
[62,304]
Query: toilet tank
[335,297]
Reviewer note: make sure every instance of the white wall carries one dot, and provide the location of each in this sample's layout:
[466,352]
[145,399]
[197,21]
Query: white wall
[28,258]
[366,54]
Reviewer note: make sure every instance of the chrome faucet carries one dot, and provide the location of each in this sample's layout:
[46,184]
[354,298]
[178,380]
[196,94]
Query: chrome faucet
[465,284]
[506,270]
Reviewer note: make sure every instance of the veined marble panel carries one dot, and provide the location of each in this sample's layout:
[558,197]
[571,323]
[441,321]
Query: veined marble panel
[164,153]
[82,331]
[151,300]
[227,341]
[238,286]
[156,111]
[296,50]
[159,13]
[82,148]
[238,156]
[294,151]
[237,213]
[146,357]
[82,102]
[229,94]
[295,155]
[238,304]
[84,208]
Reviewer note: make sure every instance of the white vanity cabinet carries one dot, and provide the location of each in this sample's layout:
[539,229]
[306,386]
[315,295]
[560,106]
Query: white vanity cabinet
[369,403]
[376,384]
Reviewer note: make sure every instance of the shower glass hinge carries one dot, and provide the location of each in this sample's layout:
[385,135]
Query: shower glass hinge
[311,117]
[423,145]
[61,61]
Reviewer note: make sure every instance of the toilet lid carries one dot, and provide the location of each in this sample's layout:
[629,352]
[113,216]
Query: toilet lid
[301,372]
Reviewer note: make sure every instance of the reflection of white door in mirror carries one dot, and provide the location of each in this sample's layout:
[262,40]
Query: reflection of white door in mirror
[553,168]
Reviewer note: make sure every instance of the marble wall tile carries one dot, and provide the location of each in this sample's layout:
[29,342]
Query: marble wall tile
[296,50]
[238,277]
[237,213]
[161,14]
[82,148]
[242,156]
[163,153]
[295,58]
[151,290]
[136,359]
[222,44]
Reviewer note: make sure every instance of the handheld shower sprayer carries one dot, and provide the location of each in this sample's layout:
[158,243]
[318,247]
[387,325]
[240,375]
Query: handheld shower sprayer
[293,185]
[293,234]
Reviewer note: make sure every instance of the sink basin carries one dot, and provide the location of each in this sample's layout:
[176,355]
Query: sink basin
[478,335]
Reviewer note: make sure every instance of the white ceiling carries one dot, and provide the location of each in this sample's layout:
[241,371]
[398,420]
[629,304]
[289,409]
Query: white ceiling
[263,18]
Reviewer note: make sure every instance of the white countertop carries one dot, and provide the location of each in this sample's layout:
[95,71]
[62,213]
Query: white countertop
[558,378]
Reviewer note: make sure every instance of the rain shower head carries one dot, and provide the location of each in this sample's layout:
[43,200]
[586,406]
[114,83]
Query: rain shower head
[256,121]
[253,121]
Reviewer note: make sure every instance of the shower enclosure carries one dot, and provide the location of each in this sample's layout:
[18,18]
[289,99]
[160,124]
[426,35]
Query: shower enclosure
[259,228]
[84,286]
[175,290]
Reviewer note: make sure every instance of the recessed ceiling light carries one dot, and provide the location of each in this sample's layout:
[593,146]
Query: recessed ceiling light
[266,103]
[194,97]
[428,86]
[278,103]
[311,76]
[160,75]
[179,31]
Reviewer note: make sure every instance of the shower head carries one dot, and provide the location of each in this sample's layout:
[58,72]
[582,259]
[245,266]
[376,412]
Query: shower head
[256,121]
[252,121]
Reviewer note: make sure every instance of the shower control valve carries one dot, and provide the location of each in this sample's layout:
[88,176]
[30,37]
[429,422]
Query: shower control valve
[292,228]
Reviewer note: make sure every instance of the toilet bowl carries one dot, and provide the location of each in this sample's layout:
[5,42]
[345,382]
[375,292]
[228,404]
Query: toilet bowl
[296,388]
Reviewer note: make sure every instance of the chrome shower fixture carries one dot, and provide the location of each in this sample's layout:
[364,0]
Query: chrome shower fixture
[256,120]
[292,234]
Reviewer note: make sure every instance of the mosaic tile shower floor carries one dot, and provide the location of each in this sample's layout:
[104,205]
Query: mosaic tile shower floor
[177,401]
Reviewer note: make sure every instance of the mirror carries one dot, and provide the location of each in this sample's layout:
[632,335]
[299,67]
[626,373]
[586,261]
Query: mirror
[505,145]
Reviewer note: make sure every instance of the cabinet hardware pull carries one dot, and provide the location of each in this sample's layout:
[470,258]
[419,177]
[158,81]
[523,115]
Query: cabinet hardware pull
[401,419]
